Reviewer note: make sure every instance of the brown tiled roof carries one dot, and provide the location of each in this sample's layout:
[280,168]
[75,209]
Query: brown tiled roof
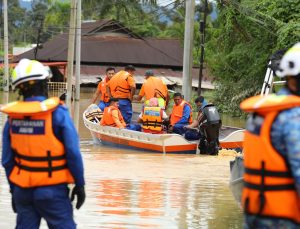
[108,42]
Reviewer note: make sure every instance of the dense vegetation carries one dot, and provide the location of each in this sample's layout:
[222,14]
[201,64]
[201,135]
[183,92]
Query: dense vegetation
[245,34]
[238,42]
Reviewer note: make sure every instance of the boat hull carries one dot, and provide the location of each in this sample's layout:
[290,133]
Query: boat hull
[150,145]
[159,143]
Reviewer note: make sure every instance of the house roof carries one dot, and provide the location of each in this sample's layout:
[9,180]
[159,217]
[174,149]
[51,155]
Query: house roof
[108,42]
[91,74]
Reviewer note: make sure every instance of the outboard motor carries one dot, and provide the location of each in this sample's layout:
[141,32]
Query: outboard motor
[209,129]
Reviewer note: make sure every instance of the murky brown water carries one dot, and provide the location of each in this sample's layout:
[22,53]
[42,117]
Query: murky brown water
[131,189]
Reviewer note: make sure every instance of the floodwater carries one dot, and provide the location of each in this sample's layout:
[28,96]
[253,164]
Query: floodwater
[137,190]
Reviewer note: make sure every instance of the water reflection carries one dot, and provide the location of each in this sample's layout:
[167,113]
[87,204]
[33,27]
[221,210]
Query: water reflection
[136,190]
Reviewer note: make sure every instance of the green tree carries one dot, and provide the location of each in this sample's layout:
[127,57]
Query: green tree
[57,17]
[137,15]
[15,20]
[244,36]
[177,27]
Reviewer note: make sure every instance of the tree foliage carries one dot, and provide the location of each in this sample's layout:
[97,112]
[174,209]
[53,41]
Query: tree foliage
[245,35]
[237,47]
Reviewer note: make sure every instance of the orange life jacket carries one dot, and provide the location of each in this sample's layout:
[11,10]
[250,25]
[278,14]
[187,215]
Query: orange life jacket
[107,119]
[119,86]
[40,158]
[102,88]
[154,87]
[269,188]
[177,112]
[152,119]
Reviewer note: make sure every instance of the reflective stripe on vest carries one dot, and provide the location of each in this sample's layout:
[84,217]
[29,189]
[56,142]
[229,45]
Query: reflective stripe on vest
[119,87]
[177,113]
[152,118]
[269,188]
[107,119]
[39,155]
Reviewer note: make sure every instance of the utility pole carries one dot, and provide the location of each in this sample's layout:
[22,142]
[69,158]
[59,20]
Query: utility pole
[71,43]
[188,49]
[202,41]
[77,67]
[6,68]
[41,19]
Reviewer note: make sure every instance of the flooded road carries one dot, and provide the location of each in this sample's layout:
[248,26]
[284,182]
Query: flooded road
[136,190]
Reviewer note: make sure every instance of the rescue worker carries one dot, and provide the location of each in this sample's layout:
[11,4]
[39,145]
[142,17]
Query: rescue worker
[152,117]
[154,87]
[122,86]
[112,115]
[40,152]
[200,102]
[181,115]
[192,132]
[101,89]
[271,193]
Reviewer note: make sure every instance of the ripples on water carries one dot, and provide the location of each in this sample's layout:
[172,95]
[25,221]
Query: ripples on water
[138,190]
[131,189]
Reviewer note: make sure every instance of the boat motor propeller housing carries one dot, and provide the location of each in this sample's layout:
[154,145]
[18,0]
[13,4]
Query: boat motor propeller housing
[209,129]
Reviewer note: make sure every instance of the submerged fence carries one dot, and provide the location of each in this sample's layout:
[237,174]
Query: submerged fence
[56,89]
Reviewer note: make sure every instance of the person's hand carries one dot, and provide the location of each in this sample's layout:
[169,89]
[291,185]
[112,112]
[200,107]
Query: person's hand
[135,97]
[80,193]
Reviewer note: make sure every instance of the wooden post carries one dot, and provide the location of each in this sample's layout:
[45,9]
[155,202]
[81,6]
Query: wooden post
[78,60]
[71,53]
[6,67]
[202,41]
[188,49]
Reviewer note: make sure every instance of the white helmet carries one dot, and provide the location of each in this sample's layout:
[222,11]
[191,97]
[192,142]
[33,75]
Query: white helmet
[27,70]
[290,62]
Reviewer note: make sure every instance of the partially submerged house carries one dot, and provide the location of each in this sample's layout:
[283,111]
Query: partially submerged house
[108,43]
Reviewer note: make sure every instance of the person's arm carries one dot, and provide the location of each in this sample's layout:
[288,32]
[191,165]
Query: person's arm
[289,133]
[167,96]
[132,86]
[116,118]
[141,94]
[167,99]
[65,131]
[8,161]
[140,118]
[197,121]
[132,92]
[108,90]
[194,124]
[96,95]
[185,115]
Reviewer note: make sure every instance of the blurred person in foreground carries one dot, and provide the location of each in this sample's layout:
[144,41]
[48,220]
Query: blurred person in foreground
[271,194]
[40,152]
